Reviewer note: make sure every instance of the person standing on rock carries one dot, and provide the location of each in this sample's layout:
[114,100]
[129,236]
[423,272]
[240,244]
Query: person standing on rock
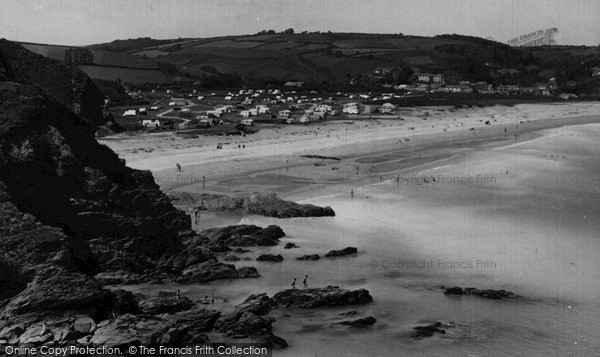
[304,282]
[294,284]
[197,215]
[351,193]
[212,298]
[178,294]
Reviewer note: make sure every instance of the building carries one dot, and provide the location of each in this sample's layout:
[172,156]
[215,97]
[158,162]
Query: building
[130,113]
[424,77]
[350,110]
[438,79]
[151,124]
[294,84]
[284,114]
[248,122]
[387,108]
[263,109]
[245,113]
[178,101]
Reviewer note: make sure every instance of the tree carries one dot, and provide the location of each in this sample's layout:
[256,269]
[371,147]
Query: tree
[289,31]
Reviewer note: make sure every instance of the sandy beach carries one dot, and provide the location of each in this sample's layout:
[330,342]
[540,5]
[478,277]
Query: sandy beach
[271,159]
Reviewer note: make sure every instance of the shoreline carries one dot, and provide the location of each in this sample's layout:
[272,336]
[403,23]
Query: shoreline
[374,147]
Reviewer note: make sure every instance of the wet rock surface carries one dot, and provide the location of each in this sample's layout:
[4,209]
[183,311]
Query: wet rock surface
[260,203]
[341,252]
[487,294]
[321,297]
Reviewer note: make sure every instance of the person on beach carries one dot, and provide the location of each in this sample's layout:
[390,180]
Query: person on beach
[178,167]
[287,160]
[357,170]
[178,294]
[212,298]
[197,215]
[294,283]
[351,193]
[304,282]
[243,146]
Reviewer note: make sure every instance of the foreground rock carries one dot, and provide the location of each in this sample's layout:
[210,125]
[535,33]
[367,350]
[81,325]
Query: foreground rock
[264,204]
[270,258]
[165,305]
[428,330]
[342,252]
[321,297]
[209,271]
[242,236]
[487,294]
[248,322]
[309,257]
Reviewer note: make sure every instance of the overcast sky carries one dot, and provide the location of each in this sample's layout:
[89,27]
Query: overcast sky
[83,22]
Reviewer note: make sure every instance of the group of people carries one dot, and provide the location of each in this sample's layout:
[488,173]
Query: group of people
[304,282]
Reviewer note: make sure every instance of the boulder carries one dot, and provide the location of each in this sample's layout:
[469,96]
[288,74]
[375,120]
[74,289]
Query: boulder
[309,257]
[428,330]
[290,245]
[341,252]
[243,236]
[321,297]
[487,294]
[269,258]
[165,305]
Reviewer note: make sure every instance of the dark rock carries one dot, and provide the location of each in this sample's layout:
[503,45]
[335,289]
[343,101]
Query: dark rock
[243,236]
[248,272]
[258,304]
[84,325]
[428,331]
[290,245]
[231,258]
[263,203]
[321,297]
[130,330]
[342,252]
[269,258]
[348,313]
[364,322]
[209,271]
[488,294]
[309,257]
[165,305]
[241,250]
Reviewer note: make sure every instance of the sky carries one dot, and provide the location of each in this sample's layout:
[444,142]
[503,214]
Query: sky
[84,22]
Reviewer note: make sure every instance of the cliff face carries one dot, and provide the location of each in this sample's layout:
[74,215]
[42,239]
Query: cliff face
[67,84]
[68,205]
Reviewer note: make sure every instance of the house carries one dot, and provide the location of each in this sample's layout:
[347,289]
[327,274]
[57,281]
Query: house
[200,97]
[438,79]
[508,88]
[185,113]
[294,84]
[351,105]
[284,114]
[323,108]
[153,109]
[178,101]
[263,109]
[228,97]
[334,112]
[350,110]
[253,112]
[245,114]
[151,124]
[424,77]
[248,122]
[142,111]
[387,108]
[130,113]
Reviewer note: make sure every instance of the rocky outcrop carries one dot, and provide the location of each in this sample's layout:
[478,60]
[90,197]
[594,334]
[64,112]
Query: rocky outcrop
[213,270]
[165,305]
[290,245]
[429,330]
[341,252]
[263,204]
[248,322]
[243,236]
[270,258]
[309,257]
[487,294]
[321,297]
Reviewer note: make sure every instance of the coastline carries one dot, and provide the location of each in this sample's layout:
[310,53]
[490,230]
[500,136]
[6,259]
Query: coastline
[376,147]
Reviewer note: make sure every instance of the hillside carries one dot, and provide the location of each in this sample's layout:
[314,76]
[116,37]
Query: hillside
[337,59]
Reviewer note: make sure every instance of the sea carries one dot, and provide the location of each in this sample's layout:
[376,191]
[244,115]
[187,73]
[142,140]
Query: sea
[522,216]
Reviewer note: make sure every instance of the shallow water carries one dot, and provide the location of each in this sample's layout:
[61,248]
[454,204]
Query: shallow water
[533,230]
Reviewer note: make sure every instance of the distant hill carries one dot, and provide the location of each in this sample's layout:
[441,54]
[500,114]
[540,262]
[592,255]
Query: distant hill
[336,59]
